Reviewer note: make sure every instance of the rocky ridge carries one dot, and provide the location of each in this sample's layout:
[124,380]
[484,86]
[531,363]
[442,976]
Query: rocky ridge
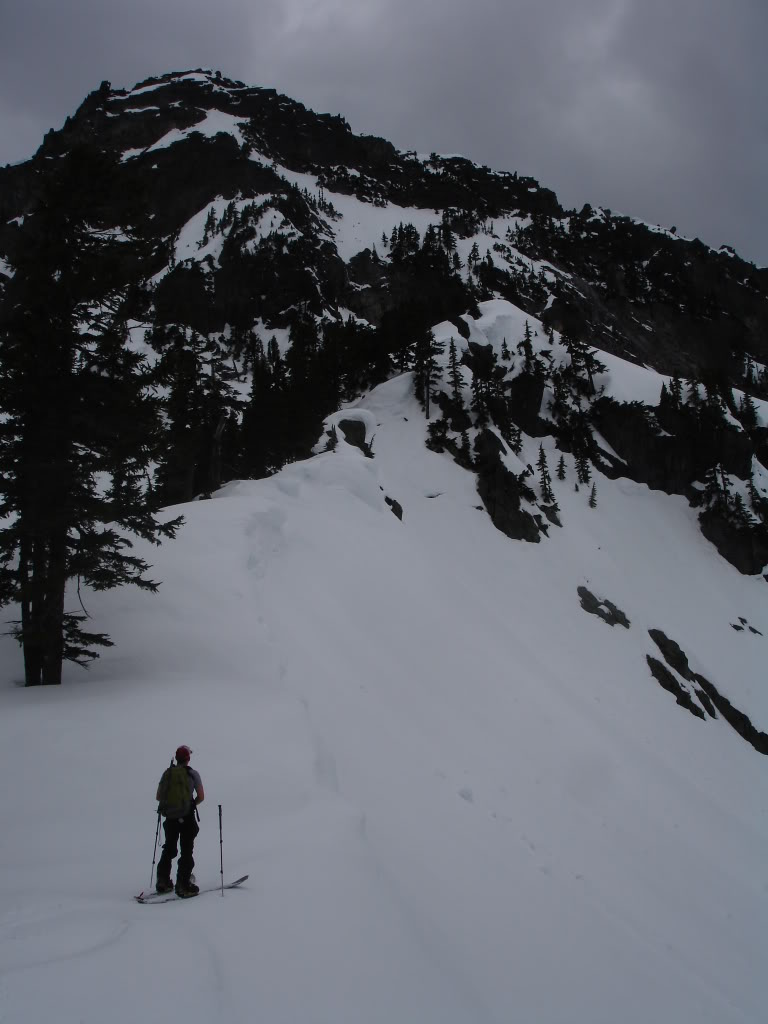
[286,264]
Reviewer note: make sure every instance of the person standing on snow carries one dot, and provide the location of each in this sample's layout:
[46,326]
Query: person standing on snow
[179,793]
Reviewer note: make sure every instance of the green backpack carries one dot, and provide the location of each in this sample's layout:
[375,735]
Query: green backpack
[175,796]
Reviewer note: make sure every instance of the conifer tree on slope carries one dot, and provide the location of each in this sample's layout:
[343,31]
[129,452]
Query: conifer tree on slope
[545,480]
[717,490]
[426,369]
[79,426]
[454,375]
[197,407]
[583,359]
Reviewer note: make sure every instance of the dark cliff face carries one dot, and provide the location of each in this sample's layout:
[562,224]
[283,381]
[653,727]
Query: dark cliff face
[670,303]
[182,144]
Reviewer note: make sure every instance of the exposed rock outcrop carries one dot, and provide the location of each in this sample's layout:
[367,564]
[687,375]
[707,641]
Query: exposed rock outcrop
[501,491]
[708,693]
[604,609]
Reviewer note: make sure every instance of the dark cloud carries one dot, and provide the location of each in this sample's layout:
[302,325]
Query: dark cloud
[652,108]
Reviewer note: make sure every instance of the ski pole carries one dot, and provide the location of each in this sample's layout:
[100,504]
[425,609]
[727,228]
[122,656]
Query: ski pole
[154,855]
[221,852]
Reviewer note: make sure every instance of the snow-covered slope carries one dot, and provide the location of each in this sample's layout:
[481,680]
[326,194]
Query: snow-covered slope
[459,797]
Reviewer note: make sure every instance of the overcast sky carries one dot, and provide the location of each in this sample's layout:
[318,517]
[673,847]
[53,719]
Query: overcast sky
[654,108]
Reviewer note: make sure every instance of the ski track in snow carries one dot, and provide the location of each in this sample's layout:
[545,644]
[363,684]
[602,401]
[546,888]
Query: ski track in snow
[458,796]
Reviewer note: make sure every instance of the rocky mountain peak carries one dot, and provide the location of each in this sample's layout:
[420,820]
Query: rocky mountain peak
[277,246]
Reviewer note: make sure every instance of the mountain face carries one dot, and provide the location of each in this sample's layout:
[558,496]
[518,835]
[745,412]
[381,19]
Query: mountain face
[273,265]
[470,640]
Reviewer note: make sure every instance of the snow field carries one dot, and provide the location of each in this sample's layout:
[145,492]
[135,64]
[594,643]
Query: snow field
[214,123]
[458,796]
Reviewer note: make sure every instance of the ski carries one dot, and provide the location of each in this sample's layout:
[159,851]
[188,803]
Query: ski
[169,897]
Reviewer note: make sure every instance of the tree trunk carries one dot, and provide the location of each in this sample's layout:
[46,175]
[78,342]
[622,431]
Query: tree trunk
[53,623]
[32,570]
[32,662]
[42,569]
[216,453]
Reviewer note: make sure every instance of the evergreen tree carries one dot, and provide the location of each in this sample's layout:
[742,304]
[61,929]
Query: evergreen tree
[748,413]
[479,404]
[255,430]
[465,449]
[198,409]
[506,355]
[559,405]
[739,512]
[711,493]
[593,497]
[725,486]
[426,368]
[545,481]
[717,490]
[431,240]
[561,468]
[404,242]
[179,372]
[455,378]
[526,347]
[487,384]
[758,503]
[265,441]
[583,361]
[79,426]
[209,229]
[583,472]
[437,434]
[513,435]
[276,366]
[301,360]
[713,402]
[754,496]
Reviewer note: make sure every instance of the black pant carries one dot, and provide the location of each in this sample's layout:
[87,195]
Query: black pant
[181,831]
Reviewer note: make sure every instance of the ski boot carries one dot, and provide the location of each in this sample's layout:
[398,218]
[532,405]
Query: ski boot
[186,889]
